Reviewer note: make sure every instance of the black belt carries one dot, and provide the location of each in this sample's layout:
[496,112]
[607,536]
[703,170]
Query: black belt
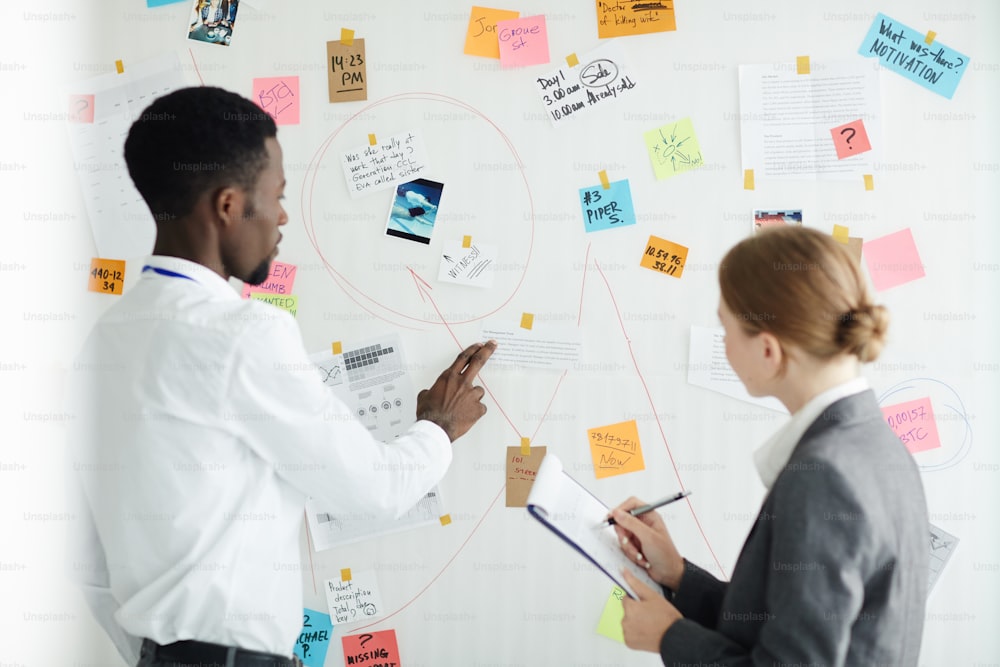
[204,654]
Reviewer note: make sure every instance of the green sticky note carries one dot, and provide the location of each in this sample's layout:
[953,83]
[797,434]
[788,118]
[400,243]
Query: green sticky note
[288,302]
[673,149]
[610,624]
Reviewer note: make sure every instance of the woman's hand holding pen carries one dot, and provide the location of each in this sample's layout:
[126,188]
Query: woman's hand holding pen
[645,541]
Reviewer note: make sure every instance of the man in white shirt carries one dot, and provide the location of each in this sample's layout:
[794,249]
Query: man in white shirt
[203,424]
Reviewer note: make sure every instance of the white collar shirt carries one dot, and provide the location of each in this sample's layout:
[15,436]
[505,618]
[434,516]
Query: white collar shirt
[771,457]
[204,427]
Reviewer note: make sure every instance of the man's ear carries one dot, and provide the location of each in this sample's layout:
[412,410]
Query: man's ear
[228,204]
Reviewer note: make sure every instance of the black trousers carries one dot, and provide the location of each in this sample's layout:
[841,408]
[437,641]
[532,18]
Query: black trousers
[204,654]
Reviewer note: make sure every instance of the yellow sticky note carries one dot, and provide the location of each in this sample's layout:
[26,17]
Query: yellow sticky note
[347,37]
[288,302]
[664,256]
[338,348]
[610,623]
[481,37]
[869,182]
[526,446]
[445,519]
[345,574]
[106,275]
[748,179]
[527,320]
[802,64]
[673,149]
[621,19]
[572,60]
[603,175]
[119,67]
[841,233]
[615,449]
[929,39]
[371,140]
[466,241]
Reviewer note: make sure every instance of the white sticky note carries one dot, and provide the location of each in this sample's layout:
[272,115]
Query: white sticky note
[471,266]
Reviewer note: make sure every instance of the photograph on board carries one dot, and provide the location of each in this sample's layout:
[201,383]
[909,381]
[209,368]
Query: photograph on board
[768,218]
[212,21]
[414,209]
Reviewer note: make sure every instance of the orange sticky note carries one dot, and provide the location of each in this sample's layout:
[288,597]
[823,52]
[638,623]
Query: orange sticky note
[345,574]
[615,449]
[346,37]
[572,60]
[338,348]
[748,179]
[481,37]
[841,234]
[621,19]
[445,519]
[371,140]
[526,446]
[929,39]
[466,241]
[522,469]
[106,275]
[664,256]
[119,67]
[869,182]
[802,64]
[914,423]
[527,320]
[603,175]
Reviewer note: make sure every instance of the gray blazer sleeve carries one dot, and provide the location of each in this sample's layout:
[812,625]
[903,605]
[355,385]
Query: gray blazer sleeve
[699,595]
[820,544]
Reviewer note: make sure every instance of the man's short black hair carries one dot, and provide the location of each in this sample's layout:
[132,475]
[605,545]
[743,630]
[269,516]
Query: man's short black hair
[192,141]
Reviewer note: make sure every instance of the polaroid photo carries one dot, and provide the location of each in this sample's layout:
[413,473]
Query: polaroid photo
[414,209]
[212,21]
[769,218]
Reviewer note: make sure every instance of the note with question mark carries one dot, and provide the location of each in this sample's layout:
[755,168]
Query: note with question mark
[850,139]
[81,109]
[371,648]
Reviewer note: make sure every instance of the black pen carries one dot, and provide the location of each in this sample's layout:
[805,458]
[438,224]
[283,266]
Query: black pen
[636,511]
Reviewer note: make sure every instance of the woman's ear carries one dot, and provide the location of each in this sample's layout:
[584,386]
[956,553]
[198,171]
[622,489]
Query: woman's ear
[772,355]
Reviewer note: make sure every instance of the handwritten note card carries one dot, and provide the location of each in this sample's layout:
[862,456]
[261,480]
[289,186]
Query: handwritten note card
[664,256]
[372,649]
[346,71]
[904,50]
[357,599]
[893,260]
[314,639]
[288,302]
[621,18]
[279,97]
[279,280]
[471,266]
[521,473]
[481,38]
[607,208]
[673,149]
[523,41]
[610,623]
[914,423]
[391,160]
[850,139]
[597,80]
[615,449]
[107,276]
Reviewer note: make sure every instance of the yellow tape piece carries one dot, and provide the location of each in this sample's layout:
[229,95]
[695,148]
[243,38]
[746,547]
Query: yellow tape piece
[119,66]
[572,60]
[525,446]
[869,182]
[527,319]
[929,39]
[748,179]
[604,179]
[802,64]
[841,234]
[445,519]
[371,140]
[345,574]
[346,37]
[466,241]
[338,348]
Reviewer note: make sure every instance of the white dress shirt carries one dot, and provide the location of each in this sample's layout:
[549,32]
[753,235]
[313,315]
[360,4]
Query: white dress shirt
[771,457]
[203,428]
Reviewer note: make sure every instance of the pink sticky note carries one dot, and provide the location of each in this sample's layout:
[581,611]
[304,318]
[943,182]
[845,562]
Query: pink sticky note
[893,260]
[523,41]
[914,423]
[279,97]
[81,108]
[279,281]
[850,139]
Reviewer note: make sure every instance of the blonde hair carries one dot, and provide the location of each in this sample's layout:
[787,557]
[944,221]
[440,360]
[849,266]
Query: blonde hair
[804,288]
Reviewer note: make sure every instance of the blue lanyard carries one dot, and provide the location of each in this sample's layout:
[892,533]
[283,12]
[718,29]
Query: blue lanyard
[167,272]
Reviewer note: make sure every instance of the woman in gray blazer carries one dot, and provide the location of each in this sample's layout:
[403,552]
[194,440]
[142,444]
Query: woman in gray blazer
[834,571]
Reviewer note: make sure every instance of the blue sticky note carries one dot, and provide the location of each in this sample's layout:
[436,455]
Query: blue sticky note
[314,639]
[160,3]
[902,49]
[607,209]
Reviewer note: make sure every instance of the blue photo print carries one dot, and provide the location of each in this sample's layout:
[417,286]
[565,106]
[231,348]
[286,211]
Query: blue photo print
[414,209]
